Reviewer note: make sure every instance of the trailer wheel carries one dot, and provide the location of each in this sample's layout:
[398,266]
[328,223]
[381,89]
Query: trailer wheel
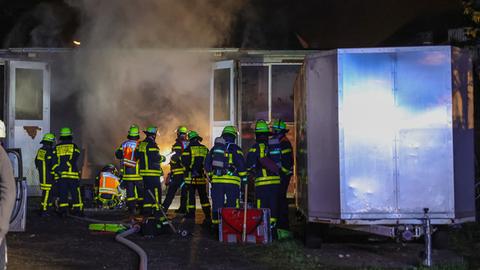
[314,234]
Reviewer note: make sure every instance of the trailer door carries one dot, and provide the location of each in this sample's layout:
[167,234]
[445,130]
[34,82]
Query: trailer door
[28,116]
[222,97]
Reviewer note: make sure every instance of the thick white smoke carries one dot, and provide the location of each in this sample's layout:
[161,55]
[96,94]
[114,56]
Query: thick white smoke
[135,65]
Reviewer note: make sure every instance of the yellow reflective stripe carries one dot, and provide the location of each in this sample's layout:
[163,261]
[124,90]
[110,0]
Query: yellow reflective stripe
[131,199]
[46,186]
[273,220]
[264,183]
[77,150]
[230,159]
[63,205]
[259,203]
[206,205]
[240,152]
[154,149]
[237,203]
[242,173]
[262,155]
[252,150]
[185,154]
[215,221]
[157,199]
[147,205]
[226,181]
[44,172]
[45,200]
[288,150]
[285,170]
[190,206]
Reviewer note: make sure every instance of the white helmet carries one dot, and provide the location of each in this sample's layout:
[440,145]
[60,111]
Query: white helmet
[2,130]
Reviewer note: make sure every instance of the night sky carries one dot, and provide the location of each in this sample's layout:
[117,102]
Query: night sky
[263,24]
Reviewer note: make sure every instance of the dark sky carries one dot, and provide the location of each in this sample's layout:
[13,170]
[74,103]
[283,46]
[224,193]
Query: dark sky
[268,24]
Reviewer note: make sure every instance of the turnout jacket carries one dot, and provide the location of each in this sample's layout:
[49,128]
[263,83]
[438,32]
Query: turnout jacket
[176,166]
[263,175]
[66,155]
[44,161]
[235,167]
[193,158]
[149,158]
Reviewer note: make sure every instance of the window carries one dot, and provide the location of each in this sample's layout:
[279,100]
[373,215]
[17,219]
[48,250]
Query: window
[29,94]
[221,94]
[254,93]
[283,79]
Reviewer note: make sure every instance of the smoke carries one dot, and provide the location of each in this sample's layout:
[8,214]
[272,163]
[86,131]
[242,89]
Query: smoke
[135,65]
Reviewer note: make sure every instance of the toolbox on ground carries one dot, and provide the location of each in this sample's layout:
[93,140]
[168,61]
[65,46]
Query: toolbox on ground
[258,225]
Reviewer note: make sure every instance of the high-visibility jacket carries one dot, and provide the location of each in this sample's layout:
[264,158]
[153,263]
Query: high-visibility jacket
[193,158]
[176,166]
[66,155]
[235,167]
[44,161]
[127,154]
[263,176]
[149,158]
[108,183]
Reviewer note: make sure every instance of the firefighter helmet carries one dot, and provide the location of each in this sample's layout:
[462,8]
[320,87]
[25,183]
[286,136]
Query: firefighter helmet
[182,130]
[66,132]
[261,127]
[48,137]
[151,130]
[193,134]
[110,168]
[279,125]
[230,130]
[133,131]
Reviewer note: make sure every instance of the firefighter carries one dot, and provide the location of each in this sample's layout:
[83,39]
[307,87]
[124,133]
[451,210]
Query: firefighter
[264,164]
[279,145]
[193,158]
[177,172]
[44,162]
[225,166]
[131,179]
[149,160]
[66,155]
[107,187]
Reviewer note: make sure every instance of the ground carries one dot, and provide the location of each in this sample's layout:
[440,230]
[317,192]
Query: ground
[56,243]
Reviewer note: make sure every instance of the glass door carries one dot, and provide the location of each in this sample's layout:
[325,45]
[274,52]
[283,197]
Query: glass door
[222,97]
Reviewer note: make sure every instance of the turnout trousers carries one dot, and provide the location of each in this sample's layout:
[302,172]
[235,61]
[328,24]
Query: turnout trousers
[153,194]
[283,222]
[134,190]
[177,181]
[267,197]
[202,193]
[69,186]
[223,195]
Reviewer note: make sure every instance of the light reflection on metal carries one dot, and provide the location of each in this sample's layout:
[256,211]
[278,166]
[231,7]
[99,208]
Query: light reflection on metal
[76,43]
[394,143]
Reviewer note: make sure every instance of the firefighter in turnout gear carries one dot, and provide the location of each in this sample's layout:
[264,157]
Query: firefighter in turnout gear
[194,158]
[149,160]
[66,155]
[44,161]
[108,184]
[281,148]
[177,172]
[225,166]
[131,179]
[264,163]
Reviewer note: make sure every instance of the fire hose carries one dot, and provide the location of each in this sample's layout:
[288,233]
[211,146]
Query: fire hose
[141,253]
[122,240]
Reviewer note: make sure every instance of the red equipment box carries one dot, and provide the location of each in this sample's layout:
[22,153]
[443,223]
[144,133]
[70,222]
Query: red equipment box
[258,225]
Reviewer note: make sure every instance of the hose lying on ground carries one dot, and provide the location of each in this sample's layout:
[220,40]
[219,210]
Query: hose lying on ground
[98,220]
[121,238]
[141,253]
